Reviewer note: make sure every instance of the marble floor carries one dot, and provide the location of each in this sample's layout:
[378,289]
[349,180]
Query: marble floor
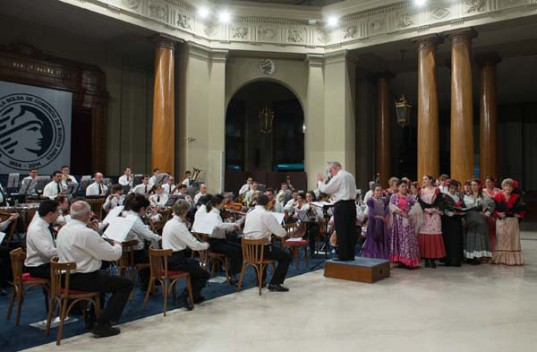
[473,308]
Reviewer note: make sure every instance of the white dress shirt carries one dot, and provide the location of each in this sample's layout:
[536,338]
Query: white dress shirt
[260,224]
[141,232]
[40,246]
[141,189]
[80,244]
[214,219]
[93,190]
[198,196]
[175,236]
[71,177]
[167,188]
[158,199]
[112,201]
[187,181]
[244,189]
[342,186]
[125,181]
[51,189]
[277,208]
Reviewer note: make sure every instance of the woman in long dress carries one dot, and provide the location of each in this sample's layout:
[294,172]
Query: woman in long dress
[452,230]
[509,208]
[491,191]
[476,236]
[430,238]
[403,237]
[377,242]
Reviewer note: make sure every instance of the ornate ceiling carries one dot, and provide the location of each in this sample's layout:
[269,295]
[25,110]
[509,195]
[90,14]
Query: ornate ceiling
[316,3]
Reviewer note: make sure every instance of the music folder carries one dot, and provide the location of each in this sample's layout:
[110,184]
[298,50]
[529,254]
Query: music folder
[118,228]
[113,213]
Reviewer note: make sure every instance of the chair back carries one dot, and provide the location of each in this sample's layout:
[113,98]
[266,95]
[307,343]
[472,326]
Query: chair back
[17,257]
[127,257]
[96,205]
[253,250]
[158,261]
[295,230]
[10,231]
[59,287]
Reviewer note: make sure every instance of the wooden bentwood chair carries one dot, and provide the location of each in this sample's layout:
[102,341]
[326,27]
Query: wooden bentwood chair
[158,262]
[64,298]
[22,282]
[253,255]
[295,242]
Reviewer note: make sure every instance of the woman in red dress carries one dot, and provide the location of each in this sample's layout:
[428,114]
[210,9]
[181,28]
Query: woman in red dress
[430,235]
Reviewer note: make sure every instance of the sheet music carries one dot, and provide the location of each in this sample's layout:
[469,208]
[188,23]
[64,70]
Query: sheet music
[119,228]
[320,204]
[113,213]
[2,236]
[207,226]
[279,216]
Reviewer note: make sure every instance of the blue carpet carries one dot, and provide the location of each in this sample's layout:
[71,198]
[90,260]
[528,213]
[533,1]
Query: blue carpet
[16,338]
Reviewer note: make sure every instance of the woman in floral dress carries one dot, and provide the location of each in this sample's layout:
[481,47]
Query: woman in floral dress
[430,238]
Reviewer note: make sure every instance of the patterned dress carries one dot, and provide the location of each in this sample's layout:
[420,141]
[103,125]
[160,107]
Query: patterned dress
[430,238]
[508,250]
[491,222]
[476,236]
[403,238]
[377,243]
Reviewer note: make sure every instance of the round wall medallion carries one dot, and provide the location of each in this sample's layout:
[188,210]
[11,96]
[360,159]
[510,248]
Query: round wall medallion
[266,67]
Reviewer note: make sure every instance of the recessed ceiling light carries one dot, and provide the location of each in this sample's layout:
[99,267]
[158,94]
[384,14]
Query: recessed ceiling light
[420,2]
[203,12]
[332,21]
[224,17]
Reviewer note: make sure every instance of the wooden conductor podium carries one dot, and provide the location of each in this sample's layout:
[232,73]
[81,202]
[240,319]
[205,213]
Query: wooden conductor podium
[360,269]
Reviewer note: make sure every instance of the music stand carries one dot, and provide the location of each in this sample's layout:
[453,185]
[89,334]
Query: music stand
[28,186]
[325,206]
[41,183]
[84,183]
[13,181]
[173,198]
[303,215]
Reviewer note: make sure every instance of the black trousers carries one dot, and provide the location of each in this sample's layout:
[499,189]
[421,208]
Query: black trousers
[42,271]
[5,266]
[231,250]
[283,259]
[142,257]
[198,276]
[120,289]
[344,219]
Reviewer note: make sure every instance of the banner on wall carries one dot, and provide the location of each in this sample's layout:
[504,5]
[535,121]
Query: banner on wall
[35,128]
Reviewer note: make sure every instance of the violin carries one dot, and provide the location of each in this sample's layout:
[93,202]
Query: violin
[270,204]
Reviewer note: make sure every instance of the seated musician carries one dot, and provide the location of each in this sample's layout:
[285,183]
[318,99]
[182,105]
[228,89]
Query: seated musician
[136,207]
[40,242]
[5,261]
[80,244]
[153,180]
[201,193]
[284,194]
[143,188]
[63,207]
[54,188]
[182,190]
[292,204]
[97,188]
[251,196]
[126,179]
[175,236]
[187,181]
[273,205]
[66,177]
[169,187]
[210,213]
[260,224]
[116,198]
[246,187]
[158,198]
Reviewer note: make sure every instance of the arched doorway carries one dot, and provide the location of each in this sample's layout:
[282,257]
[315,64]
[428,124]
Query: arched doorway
[251,151]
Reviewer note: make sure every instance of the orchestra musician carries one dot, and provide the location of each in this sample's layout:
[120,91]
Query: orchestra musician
[143,188]
[158,198]
[187,181]
[284,194]
[66,178]
[251,196]
[116,198]
[246,187]
[201,193]
[273,204]
[126,179]
[54,188]
[97,188]
[169,187]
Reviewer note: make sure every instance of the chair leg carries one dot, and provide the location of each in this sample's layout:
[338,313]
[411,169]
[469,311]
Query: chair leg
[213,264]
[63,313]
[241,277]
[51,308]
[189,290]
[20,301]
[149,289]
[97,304]
[165,294]
[226,268]
[306,250]
[11,302]
[260,277]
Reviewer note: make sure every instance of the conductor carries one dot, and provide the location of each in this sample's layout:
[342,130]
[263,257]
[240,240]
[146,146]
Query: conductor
[342,186]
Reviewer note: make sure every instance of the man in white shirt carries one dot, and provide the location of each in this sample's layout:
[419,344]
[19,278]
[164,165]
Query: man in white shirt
[342,187]
[80,244]
[187,181]
[251,195]
[32,175]
[260,224]
[155,178]
[29,182]
[246,187]
[175,236]
[116,198]
[97,188]
[126,179]
[169,187]
[201,193]
[182,190]
[40,243]
[143,188]
[273,205]
[55,187]
[66,177]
